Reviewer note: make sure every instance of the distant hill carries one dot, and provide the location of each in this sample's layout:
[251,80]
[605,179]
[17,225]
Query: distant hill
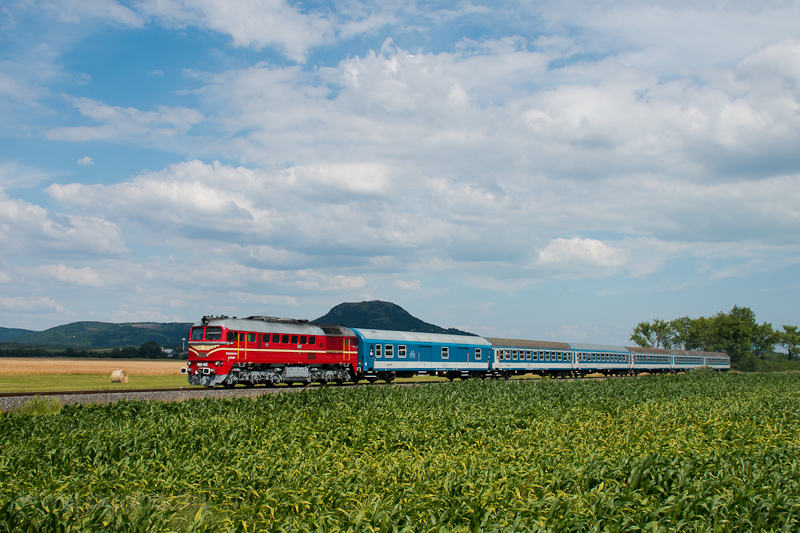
[9,333]
[106,335]
[381,315]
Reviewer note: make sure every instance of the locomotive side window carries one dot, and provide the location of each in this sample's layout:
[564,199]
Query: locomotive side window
[196,334]
[294,339]
[312,340]
[276,338]
[251,337]
[285,339]
[213,334]
[303,339]
[231,337]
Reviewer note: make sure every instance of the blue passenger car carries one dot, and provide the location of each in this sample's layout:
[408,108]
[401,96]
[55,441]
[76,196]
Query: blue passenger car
[386,355]
[517,356]
[605,359]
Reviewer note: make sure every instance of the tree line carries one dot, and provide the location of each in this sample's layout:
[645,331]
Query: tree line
[148,350]
[737,333]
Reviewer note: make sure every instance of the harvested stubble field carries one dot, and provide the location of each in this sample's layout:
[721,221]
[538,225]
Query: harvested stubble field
[695,452]
[63,365]
[29,374]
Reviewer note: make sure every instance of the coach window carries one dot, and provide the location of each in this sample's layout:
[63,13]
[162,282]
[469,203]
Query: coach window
[401,351]
[389,351]
[445,352]
[377,351]
[528,355]
[514,354]
[478,354]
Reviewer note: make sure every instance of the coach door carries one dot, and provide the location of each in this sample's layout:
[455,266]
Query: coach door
[425,357]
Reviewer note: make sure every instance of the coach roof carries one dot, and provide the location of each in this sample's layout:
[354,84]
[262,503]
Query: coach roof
[379,335]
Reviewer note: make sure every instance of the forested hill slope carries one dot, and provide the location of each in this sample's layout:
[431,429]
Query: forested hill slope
[106,335]
[6,334]
[381,315]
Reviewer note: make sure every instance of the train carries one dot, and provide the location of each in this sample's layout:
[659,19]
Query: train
[261,350]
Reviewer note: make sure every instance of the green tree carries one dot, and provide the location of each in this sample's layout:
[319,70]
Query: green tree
[659,334]
[736,333]
[790,339]
[150,349]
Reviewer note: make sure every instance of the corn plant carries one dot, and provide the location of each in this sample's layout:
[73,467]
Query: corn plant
[694,452]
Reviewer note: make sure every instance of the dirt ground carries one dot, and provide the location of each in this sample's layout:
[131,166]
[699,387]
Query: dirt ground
[44,365]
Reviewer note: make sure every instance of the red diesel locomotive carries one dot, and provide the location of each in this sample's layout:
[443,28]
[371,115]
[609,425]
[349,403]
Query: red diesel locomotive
[226,351]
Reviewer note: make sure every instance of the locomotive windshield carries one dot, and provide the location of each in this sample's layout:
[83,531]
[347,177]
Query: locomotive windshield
[212,334]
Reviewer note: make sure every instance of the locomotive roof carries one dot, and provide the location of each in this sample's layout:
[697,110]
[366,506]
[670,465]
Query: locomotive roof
[520,343]
[262,324]
[378,335]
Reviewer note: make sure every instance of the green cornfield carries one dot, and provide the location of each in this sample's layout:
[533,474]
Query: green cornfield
[694,452]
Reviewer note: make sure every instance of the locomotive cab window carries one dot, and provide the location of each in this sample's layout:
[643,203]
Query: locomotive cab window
[196,334]
[214,334]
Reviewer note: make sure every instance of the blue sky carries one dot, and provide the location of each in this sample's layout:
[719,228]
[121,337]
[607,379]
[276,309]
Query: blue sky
[549,170]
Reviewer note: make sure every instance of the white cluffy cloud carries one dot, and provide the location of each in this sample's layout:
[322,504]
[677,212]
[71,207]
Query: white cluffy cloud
[26,228]
[85,161]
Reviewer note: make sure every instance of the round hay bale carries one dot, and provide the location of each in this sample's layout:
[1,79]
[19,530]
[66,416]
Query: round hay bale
[119,376]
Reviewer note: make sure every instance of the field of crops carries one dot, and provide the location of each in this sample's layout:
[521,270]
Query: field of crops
[695,452]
